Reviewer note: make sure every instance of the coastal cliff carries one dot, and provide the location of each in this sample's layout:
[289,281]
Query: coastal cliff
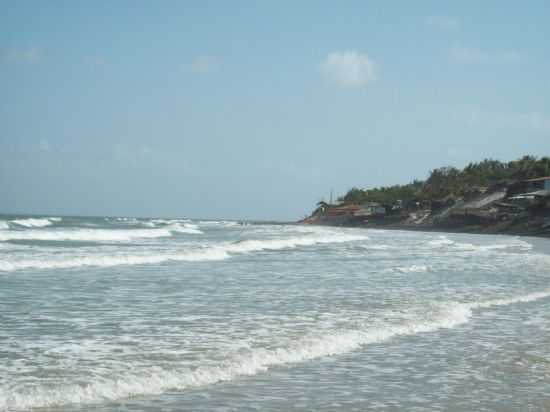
[486,197]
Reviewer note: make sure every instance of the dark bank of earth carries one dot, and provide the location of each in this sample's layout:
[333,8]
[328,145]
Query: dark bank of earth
[518,208]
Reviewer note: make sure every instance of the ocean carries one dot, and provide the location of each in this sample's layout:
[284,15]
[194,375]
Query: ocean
[128,314]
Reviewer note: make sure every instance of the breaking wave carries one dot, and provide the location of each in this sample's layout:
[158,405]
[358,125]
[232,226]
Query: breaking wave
[184,228]
[35,222]
[99,235]
[531,297]
[215,252]
[90,235]
[223,223]
[445,243]
[289,243]
[157,380]
[413,269]
[109,260]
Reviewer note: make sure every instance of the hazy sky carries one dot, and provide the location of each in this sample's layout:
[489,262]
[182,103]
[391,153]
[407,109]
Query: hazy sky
[257,109]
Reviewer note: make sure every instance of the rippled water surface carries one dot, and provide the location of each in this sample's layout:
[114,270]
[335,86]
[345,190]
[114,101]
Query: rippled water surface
[124,314]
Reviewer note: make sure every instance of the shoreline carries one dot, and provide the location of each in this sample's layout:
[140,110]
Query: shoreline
[438,229]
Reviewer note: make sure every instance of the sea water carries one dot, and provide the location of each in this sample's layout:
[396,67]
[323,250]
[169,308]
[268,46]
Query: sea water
[128,314]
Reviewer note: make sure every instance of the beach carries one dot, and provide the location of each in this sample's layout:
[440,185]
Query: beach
[128,314]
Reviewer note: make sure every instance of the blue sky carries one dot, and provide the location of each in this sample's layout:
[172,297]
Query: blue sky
[258,109]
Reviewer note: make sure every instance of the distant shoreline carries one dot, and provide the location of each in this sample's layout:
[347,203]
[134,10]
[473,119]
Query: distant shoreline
[488,197]
[438,229]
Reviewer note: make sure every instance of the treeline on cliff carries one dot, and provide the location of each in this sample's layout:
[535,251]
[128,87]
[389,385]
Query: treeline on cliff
[450,181]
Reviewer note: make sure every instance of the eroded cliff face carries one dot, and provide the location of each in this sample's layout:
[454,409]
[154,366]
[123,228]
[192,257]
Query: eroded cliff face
[494,212]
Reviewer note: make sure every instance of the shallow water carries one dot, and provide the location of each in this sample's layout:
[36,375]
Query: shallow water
[103,314]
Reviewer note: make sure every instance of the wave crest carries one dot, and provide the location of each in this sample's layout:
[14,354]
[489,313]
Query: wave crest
[90,235]
[156,380]
[35,222]
[211,253]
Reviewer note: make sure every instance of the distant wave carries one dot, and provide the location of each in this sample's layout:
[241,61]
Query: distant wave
[531,297]
[90,235]
[413,269]
[292,242]
[4,225]
[216,252]
[113,260]
[443,242]
[169,221]
[129,382]
[184,228]
[36,222]
[223,223]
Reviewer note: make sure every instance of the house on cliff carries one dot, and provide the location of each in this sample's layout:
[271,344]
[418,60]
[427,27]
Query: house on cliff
[529,186]
[530,192]
[343,210]
[369,209]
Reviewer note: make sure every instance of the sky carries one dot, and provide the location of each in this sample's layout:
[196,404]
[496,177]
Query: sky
[257,110]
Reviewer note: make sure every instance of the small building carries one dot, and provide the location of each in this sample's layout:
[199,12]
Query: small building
[345,210]
[529,186]
[540,183]
[539,198]
[370,209]
[542,198]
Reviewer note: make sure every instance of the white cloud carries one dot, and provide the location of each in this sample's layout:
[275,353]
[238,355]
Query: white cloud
[464,54]
[349,69]
[31,55]
[475,116]
[442,22]
[204,64]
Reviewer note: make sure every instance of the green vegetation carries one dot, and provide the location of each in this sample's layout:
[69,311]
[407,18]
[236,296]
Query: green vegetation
[450,181]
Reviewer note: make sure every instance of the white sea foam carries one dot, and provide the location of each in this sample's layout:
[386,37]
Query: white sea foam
[531,297]
[509,243]
[215,252]
[121,384]
[4,225]
[412,269]
[126,219]
[292,242]
[377,247]
[184,228]
[35,222]
[441,241]
[223,223]
[109,260]
[91,235]
[170,221]
[156,380]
